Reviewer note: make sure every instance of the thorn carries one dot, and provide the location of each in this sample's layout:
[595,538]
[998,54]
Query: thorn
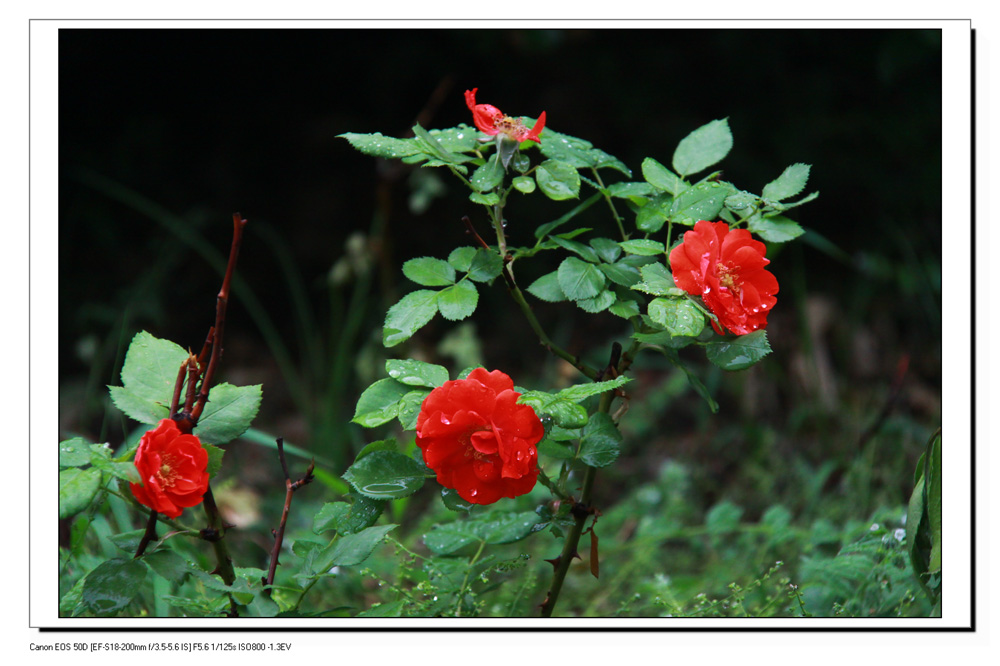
[555,561]
[576,554]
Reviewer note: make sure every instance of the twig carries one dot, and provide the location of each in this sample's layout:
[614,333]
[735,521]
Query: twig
[178,385]
[148,536]
[221,301]
[290,488]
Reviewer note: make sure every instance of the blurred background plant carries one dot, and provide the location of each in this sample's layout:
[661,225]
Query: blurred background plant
[809,463]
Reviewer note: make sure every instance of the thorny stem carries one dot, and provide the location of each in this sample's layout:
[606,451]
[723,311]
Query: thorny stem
[193,372]
[220,317]
[148,536]
[619,363]
[518,297]
[188,418]
[290,488]
[176,400]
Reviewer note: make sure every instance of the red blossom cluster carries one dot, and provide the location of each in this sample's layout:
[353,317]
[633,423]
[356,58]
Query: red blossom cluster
[478,440]
[726,268]
[172,467]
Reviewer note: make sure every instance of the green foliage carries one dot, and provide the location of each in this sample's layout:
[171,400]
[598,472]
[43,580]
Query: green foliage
[740,352]
[923,520]
[702,148]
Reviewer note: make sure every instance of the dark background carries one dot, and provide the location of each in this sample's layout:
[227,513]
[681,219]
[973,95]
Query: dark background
[164,133]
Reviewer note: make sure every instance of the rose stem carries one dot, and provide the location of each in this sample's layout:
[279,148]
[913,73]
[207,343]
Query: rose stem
[147,536]
[220,318]
[290,488]
[618,363]
[177,387]
[518,297]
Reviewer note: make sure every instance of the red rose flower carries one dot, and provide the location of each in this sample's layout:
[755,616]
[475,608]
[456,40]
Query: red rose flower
[478,439]
[726,268]
[490,120]
[172,467]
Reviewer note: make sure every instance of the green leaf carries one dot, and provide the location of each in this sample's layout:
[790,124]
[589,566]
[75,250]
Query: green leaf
[461,258]
[678,316]
[487,199]
[485,266]
[447,538]
[934,504]
[661,177]
[353,549]
[408,316]
[620,273]
[570,150]
[364,512]
[579,279]
[740,201]
[502,527]
[112,586]
[740,352]
[167,564]
[148,377]
[626,309]
[774,229]
[699,202]
[658,281]
[385,475]
[702,148]
[553,449]
[416,373]
[578,153]
[387,609]
[379,403]
[229,412]
[547,288]
[429,272]
[127,542]
[380,445]
[74,452]
[488,176]
[378,145]
[607,249]
[791,181]
[461,139]
[125,471]
[601,441]
[598,303]
[643,247]
[630,190]
[563,407]
[558,180]
[454,502]
[579,392]
[77,488]
[525,184]
[431,144]
[330,516]
[458,301]
[585,252]
[653,214]
[494,528]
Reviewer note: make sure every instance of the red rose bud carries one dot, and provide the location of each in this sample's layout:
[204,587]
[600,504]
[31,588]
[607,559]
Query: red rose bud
[478,440]
[726,268]
[172,467]
[491,120]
